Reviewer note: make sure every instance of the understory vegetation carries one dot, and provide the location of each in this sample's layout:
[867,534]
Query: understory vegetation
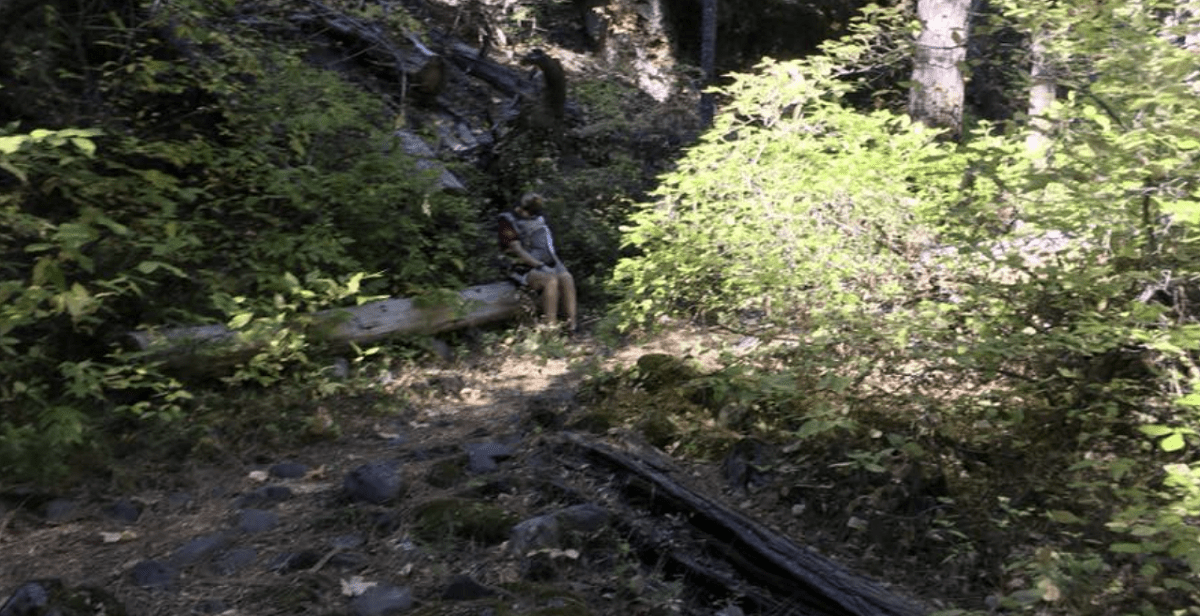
[177,164]
[993,347]
[1004,339]
[238,186]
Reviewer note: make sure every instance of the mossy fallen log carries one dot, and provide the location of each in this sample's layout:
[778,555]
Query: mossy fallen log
[370,322]
[800,580]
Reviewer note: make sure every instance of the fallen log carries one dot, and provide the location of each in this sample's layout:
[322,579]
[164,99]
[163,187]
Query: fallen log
[805,581]
[371,322]
[373,43]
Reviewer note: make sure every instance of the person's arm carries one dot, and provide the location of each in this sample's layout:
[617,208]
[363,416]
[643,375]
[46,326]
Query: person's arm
[510,241]
[519,251]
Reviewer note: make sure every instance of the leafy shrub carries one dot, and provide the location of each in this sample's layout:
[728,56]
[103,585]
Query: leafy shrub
[1048,366]
[794,208]
[238,185]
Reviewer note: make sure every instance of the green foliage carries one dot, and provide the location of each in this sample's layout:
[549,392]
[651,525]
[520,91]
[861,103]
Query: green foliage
[1052,361]
[237,185]
[55,309]
[792,204]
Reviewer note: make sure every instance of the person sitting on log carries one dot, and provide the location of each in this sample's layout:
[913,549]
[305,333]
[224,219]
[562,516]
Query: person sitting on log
[524,235]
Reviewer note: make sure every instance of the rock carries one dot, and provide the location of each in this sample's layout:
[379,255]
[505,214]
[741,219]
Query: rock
[257,521]
[288,470]
[460,138]
[587,517]
[198,549]
[382,600]
[483,457]
[416,147]
[51,598]
[124,511]
[264,497]
[551,530]
[61,510]
[153,575]
[534,534]
[376,483]
[234,560]
[463,588]
[31,598]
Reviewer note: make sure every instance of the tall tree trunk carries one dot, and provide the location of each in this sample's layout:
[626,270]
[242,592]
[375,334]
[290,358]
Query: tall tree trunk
[1042,87]
[936,97]
[1187,16]
[1191,16]
[708,57]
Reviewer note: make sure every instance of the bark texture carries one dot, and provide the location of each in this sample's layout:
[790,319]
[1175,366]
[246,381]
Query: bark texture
[737,555]
[936,97]
[479,305]
[708,57]
[1042,88]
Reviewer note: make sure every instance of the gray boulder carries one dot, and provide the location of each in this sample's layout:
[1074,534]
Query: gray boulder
[375,483]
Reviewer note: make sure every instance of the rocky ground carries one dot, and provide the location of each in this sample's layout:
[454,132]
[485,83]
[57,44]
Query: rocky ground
[474,498]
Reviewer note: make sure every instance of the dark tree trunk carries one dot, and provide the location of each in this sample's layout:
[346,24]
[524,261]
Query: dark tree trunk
[708,57]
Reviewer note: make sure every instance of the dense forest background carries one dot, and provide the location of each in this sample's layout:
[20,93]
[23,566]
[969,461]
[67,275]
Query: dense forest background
[961,236]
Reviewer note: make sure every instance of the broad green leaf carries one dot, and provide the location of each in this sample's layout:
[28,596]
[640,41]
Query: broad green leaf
[240,320]
[1064,517]
[87,146]
[1128,548]
[9,167]
[1174,442]
[10,144]
[1156,430]
[77,301]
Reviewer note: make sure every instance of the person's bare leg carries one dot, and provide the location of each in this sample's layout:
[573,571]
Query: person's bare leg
[550,300]
[547,283]
[567,284]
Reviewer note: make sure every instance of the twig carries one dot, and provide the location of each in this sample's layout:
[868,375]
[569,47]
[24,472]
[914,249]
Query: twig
[325,559]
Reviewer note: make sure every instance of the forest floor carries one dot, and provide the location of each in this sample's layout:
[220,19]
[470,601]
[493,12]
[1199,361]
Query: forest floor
[179,540]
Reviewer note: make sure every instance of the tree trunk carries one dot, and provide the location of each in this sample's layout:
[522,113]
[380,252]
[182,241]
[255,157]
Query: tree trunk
[1187,17]
[1042,87]
[936,97]
[479,305]
[1190,15]
[708,57]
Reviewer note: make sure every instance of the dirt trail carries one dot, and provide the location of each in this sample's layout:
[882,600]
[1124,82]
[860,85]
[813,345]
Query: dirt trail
[462,501]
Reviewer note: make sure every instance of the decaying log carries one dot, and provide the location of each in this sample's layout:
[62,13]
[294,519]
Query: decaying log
[363,324]
[805,581]
[372,42]
[367,39]
[508,81]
